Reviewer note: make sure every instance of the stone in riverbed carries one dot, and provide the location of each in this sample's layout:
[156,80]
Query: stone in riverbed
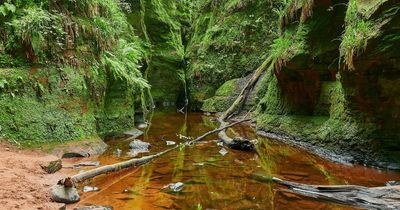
[63,194]
[242,144]
[134,133]
[90,189]
[142,125]
[169,143]
[176,187]
[223,152]
[392,183]
[52,166]
[138,146]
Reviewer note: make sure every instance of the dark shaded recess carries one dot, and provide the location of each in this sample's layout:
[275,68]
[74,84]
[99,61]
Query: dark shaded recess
[300,80]
[374,87]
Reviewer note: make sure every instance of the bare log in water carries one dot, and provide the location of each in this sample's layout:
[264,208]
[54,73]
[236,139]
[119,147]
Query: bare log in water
[71,181]
[353,195]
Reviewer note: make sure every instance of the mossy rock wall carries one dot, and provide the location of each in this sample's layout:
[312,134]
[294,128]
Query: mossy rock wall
[331,106]
[43,105]
[313,96]
[229,39]
[160,26]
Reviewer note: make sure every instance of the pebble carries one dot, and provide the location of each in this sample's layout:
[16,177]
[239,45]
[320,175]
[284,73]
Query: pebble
[176,187]
[223,152]
[90,189]
[170,143]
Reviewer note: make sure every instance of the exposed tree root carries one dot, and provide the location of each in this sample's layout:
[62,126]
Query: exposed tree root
[370,198]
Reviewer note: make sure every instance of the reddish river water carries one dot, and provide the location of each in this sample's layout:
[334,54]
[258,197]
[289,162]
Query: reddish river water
[214,181]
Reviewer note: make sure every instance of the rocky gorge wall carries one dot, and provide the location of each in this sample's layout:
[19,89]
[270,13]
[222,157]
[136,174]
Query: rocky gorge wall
[68,71]
[335,80]
[85,69]
[73,70]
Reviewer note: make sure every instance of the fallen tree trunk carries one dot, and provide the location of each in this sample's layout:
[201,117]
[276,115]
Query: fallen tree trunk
[353,195]
[245,91]
[71,181]
[237,142]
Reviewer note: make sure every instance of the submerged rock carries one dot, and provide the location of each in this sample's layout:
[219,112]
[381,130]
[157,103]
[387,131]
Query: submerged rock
[62,194]
[138,146]
[176,187]
[142,125]
[90,189]
[223,152]
[242,144]
[134,133]
[169,143]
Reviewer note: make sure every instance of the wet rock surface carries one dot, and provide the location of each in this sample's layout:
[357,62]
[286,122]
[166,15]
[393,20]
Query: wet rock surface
[134,133]
[63,194]
[137,147]
[90,189]
[242,144]
[175,187]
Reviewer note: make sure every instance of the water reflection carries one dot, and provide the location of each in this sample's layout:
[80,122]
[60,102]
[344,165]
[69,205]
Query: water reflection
[214,181]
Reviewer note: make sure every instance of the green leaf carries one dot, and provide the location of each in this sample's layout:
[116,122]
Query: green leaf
[10,7]
[3,10]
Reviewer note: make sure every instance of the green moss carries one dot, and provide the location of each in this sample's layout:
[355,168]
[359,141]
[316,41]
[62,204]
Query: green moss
[59,105]
[230,39]
[224,97]
[228,88]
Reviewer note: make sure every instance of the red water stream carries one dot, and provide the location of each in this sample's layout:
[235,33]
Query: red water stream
[214,181]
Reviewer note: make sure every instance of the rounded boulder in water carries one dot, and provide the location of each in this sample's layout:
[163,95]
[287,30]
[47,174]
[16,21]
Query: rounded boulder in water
[61,194]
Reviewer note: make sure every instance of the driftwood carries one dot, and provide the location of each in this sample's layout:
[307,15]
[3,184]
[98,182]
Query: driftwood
[71,181]
[353,195]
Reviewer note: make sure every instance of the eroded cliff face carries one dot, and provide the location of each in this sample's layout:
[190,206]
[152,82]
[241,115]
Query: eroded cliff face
[335,79]
[161,26]
[68,70]
[229,39]
[73,70]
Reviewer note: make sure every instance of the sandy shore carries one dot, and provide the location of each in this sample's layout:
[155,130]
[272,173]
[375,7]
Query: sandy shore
[23,184]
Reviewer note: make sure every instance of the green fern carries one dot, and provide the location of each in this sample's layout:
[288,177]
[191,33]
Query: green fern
[122,63]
